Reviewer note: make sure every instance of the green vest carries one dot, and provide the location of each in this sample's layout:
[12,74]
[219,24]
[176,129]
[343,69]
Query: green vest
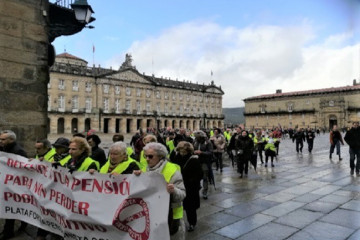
[65,160]
[49,155]
[129,151]
[120,168]
[143,162]
[211,133]
[168,171]
[270,146]
[170,145]
[86,164]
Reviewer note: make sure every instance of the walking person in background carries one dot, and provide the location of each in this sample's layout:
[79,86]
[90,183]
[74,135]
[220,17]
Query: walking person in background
[335,141]
[203,148]
[270,149]
[244,147]
[97,153]
[259,141]
[310,136]
[299,137]
[218,142]
[352,138]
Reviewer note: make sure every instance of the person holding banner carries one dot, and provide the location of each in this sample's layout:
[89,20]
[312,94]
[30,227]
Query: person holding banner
[80,151]
[44,151]
[119,162]
[155,154]
[8,144]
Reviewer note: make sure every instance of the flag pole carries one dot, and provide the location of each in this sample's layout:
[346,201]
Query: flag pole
[93,55]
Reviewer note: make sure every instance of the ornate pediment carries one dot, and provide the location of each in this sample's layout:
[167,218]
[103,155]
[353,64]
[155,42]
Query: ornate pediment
[214,90]
[129,75]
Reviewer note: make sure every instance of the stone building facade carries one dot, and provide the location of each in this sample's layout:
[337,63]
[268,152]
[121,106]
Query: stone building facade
[121,101]
[24,69]
[320,108]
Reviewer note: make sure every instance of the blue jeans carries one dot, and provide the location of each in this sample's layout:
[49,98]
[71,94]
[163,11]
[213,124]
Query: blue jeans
[337,145]
[353,153]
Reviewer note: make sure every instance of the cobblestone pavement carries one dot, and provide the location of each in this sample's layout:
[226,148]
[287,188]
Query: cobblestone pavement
[305,196]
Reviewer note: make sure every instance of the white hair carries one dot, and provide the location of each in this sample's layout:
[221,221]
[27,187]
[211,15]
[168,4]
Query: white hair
[160,149]
[10,134]
[120,146]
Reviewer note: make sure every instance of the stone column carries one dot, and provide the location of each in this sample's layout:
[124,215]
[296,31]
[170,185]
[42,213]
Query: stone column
[24,70]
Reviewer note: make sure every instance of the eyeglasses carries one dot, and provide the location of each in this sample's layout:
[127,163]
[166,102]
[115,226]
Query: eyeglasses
[149,156]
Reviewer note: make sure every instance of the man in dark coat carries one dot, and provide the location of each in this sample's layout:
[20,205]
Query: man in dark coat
[299,138]
[244,147]
[352,138]
[335,141]
[310,135]
[9,145]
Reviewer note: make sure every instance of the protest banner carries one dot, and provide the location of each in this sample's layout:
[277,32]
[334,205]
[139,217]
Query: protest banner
[83,206]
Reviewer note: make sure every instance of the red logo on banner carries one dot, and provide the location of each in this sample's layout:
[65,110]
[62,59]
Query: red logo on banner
[123,224]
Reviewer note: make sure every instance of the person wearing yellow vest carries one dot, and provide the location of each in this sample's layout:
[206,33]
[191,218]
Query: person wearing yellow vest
[80,151]
[44,151]
[259,141]
[119,162]
[62,155]
[270,149]
[155,154]
[147,139]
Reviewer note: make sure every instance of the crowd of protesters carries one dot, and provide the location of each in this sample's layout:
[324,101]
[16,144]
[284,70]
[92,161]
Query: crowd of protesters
[185,158]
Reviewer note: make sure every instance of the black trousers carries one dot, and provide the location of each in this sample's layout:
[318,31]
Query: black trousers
[191,216]
[301,144]
[242,164]
[310,145]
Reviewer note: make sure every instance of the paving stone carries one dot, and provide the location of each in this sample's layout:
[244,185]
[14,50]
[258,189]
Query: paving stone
[278,232]
[249,208]
[279,197]
[307,198]
[332,198]
[213,236]
[244,226]
[322,231]
[299,218]
[345,218]
[326,190]
[355,236]
[321,207]
[352,205]
[283,208]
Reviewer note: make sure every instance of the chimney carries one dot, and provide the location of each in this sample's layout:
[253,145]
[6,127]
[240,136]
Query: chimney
[278,91]
[354,82]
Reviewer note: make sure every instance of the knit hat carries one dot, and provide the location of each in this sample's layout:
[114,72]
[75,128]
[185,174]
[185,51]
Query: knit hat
[62,142]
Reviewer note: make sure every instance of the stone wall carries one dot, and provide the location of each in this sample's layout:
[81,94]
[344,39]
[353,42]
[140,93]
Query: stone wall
[24,69]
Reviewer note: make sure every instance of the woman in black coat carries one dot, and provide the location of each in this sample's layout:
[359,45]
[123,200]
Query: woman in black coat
[192,175]
[244,147]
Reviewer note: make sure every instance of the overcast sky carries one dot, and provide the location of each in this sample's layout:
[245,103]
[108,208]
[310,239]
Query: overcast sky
[253,47]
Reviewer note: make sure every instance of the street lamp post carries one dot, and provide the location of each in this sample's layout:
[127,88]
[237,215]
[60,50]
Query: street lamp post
[82,11]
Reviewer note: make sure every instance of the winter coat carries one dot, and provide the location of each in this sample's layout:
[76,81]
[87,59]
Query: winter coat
[336,136]
[352,138]
[192,174]
[206,148]
[299,137]
[15,148]
[218,143]
[244,145]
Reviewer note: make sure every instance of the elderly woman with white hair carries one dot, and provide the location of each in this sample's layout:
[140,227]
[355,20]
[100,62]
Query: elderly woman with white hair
[119,162]
[155,154]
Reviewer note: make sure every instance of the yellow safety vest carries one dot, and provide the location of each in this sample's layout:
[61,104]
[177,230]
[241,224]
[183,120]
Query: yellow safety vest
[168,171]
[170,145]
[65,160]
[129,151]
[49,156]
[86,164]
[270,146]
[120,168]
[211,133]
[143,162]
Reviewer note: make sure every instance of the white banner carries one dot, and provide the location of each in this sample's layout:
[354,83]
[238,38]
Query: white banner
[83,206]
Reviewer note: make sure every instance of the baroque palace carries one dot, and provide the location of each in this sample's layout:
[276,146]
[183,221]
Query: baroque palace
[109,101]
[319,108]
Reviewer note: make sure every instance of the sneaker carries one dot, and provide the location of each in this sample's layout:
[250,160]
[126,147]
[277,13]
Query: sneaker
[272,165]
[191,228]
[265,164]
